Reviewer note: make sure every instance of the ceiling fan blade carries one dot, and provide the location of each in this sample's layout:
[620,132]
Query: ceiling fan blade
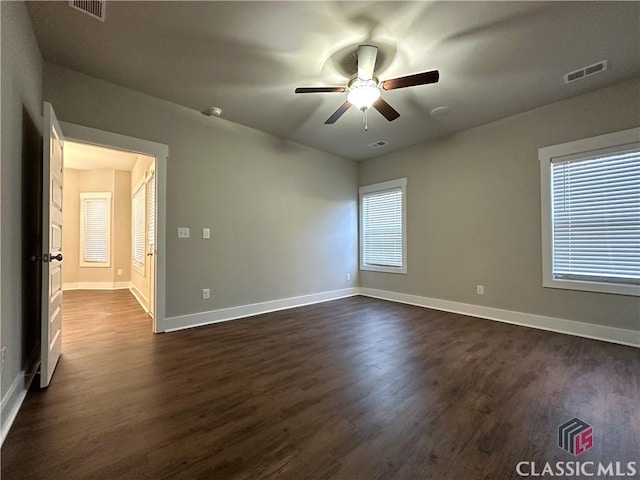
[321,90]
[367,55]
[411,80]
[385,109]
[338,113]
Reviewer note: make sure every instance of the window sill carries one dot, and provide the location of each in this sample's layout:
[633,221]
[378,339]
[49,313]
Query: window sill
[370,268]
[585,286]
[95,265]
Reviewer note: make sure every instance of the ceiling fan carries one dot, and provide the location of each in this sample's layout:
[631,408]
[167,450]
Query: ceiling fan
[363,90]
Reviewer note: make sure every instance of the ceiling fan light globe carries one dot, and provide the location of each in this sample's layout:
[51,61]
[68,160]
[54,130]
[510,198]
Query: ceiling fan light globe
[363,94]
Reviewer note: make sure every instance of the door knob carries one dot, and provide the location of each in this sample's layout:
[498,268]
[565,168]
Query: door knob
[57,257]
[149,254]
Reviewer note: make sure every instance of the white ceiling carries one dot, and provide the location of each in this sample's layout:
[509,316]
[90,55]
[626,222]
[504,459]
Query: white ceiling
[81,156]
[495,59]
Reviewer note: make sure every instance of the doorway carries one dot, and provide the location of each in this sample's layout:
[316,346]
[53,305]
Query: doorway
[144,272]
[109,218]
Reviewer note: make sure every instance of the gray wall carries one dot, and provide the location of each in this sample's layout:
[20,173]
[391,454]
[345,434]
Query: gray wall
[21,104]
[283,217]
[473,210]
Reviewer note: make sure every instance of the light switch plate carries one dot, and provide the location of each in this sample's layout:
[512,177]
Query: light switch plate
[206,233]
[183,232]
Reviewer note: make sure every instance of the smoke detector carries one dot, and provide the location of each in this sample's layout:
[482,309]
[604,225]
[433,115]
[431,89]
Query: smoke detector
[212,112]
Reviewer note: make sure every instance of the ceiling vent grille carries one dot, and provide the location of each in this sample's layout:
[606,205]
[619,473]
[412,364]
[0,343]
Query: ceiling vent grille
[93,8]
[378,144]
[585,72]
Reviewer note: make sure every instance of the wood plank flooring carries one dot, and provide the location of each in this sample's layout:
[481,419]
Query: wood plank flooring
[351,389]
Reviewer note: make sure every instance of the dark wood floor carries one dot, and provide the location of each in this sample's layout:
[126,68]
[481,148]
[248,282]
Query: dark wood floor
[352,389]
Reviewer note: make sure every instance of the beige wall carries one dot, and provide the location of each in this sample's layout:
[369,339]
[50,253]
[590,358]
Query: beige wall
[84,181]
[473,210]
[283,217]
[121,234]
[71,226]
[140,277]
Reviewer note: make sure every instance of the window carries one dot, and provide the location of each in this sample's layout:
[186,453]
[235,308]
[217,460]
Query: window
[151,210]
[138,218]
[95,229]
[383,227]
[591,214]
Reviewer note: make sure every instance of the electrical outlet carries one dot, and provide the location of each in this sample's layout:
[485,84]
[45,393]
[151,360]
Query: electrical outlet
[206,294]
[183,232]
[206,233]
[480,289]
[348,277]
[119,272]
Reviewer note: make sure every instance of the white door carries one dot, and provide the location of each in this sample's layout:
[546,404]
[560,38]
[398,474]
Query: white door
[51,319]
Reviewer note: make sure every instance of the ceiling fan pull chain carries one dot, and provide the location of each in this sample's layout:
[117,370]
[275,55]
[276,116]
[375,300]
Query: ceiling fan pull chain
[364,119]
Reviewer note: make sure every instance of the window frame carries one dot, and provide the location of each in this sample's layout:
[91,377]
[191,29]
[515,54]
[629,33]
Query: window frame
[616,141]
[92,196]
[400,183]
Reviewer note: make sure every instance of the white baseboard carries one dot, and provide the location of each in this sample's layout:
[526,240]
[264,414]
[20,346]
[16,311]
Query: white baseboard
[559,325]
[142,300]
[233,313]
[95,285]
[11,403]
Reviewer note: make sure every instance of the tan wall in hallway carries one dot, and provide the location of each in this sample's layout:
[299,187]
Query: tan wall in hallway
[82,181]
[71,226]
[121,234]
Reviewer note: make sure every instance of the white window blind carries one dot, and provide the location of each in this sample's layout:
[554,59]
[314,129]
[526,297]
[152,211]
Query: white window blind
[138,218]
[596,218]
[151,211]
[382,241]
[95,229]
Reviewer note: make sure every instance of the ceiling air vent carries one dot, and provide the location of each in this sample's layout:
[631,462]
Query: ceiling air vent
[93,8]
[378,144]
[585,72]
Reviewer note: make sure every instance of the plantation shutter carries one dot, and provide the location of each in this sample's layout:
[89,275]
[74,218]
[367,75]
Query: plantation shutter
[138,226]
[151,211]
[96,230]
[596,218]
[382,228]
